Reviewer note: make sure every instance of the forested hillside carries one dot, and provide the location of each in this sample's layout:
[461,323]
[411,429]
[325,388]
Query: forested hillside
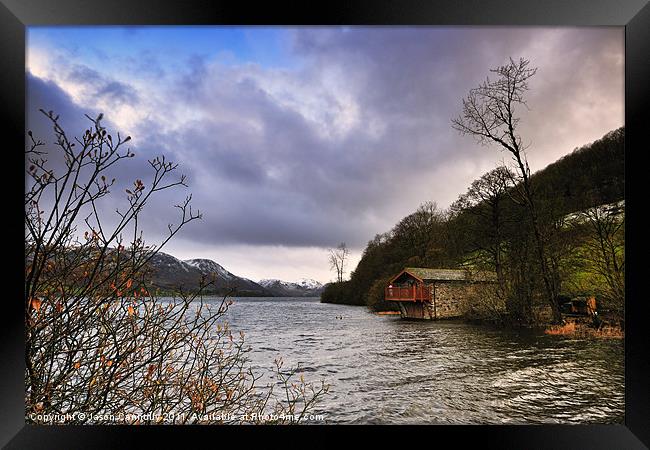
[488,228]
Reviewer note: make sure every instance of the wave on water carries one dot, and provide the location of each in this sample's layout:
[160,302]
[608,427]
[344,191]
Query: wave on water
[393,371]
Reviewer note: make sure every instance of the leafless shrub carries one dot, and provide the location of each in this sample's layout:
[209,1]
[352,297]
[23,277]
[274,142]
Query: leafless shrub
[99,347]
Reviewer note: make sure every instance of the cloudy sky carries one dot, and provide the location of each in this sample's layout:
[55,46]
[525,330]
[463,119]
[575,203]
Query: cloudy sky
[295,139]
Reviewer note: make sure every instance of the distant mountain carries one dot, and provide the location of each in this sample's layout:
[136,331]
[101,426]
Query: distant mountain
[171,274]
[302,288]
[207,267]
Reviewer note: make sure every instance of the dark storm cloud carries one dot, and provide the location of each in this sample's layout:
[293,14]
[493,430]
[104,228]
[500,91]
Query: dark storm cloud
[42,94]
[47,95]
[359,135]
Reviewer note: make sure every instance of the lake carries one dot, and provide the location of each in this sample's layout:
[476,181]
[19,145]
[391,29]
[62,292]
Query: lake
[383,369]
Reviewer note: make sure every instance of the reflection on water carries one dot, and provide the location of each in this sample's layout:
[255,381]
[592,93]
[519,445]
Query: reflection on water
[389,370]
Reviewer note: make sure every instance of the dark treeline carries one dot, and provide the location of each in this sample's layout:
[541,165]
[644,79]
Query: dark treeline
[487,228]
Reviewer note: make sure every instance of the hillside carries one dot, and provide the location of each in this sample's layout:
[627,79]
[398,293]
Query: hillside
[589,176]
[170,274]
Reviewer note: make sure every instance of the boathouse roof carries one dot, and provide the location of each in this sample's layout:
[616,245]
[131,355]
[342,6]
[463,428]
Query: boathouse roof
[427,274]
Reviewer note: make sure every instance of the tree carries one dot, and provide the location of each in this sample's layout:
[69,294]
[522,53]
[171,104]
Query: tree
[420,234]
[484,200]
[337,260]
[99,346]
[489,115]
[375,299]
[606,245]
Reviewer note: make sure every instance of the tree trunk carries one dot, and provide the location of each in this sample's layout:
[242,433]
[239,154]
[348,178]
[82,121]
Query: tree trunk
[549,285]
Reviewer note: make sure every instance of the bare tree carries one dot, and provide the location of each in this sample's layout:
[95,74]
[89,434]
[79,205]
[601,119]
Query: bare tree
[606,244]
[489,115]
[337,260]
[99,347]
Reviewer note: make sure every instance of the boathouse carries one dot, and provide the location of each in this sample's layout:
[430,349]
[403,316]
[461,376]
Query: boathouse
[423,293]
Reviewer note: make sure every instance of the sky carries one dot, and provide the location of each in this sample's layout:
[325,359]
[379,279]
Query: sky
[296,139]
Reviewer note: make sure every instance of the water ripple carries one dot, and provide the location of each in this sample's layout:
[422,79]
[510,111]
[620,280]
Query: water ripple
[385,370]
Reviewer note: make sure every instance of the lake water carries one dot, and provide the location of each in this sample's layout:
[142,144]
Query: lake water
[382,369]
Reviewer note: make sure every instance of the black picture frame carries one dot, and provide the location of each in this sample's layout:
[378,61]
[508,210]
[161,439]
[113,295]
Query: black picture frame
[634,15]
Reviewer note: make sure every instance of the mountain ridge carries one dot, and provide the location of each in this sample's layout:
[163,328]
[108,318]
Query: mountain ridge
[172,274]
[304,287]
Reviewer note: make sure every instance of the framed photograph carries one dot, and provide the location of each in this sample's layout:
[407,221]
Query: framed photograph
[404,214]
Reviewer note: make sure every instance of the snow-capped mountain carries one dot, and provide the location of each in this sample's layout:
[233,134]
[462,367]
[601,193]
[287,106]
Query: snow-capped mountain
[309,283]
[170,273]
[207,267]
[304,287]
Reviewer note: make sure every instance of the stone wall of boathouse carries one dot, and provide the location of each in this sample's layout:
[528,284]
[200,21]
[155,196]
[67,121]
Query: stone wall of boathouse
[448,301]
